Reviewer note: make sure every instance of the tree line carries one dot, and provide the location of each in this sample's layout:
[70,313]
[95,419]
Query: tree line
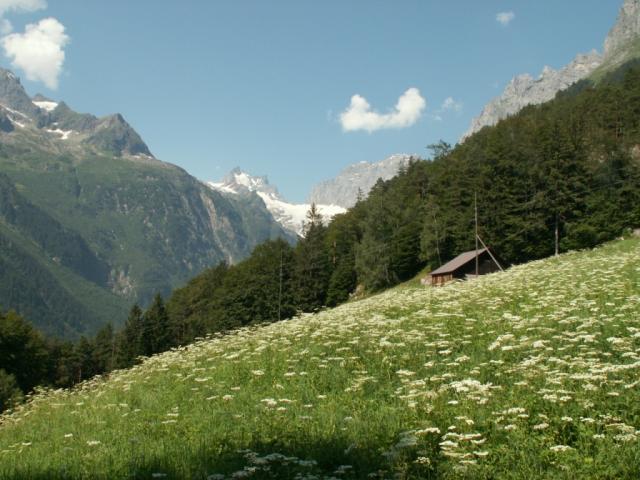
[555,177]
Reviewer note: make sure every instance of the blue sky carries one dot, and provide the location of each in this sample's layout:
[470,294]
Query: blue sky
[261,84]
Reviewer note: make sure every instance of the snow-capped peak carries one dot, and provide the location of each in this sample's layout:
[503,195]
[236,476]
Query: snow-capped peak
[239,181]
[290,215]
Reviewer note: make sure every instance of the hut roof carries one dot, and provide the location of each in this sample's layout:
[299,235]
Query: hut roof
[458,262]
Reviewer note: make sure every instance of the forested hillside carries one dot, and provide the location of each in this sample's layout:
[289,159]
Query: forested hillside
[570,167]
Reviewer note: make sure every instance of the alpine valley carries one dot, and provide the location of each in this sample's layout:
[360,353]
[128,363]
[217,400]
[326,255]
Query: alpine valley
[367,335]
[91,221]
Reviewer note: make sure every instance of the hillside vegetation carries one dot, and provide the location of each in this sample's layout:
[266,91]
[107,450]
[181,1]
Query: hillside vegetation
[532,373]
[568,169]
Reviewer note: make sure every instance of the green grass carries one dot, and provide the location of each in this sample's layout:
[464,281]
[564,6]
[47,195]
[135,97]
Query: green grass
[533,373]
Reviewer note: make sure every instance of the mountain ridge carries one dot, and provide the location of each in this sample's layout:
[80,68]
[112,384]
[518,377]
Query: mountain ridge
[524,90]
[359,177]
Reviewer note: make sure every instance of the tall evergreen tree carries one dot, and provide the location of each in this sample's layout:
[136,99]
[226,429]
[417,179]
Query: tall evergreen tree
[129,340]
[312,264]
[10,394]
[104,350]
[23,351]
[156,328]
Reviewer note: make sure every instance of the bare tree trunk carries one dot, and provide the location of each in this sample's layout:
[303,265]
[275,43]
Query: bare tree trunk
[557,235]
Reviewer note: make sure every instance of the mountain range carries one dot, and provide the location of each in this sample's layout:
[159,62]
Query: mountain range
[91,221]
[291,216]
[331,197]
[621,45]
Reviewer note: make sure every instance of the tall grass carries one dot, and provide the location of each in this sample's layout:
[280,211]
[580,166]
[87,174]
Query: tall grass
[534,373]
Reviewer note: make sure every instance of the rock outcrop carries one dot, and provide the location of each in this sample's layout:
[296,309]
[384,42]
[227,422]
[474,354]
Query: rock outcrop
[360,177]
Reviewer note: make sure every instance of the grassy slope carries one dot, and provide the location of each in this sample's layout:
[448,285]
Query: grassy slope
[528,374]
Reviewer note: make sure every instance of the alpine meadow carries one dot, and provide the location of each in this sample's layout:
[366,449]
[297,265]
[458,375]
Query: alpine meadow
[528,374]
[470,310]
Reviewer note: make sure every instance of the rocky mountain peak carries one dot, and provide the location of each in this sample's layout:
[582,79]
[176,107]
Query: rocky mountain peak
[111,134]
[525,90]
[239,181]
[343,189]
[13,96]
[626,29]
[290,216]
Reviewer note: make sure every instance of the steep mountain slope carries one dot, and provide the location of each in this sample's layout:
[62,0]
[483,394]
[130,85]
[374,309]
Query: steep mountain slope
[239,184]
[358,178]
[532,373]
[621,45]
[88,197]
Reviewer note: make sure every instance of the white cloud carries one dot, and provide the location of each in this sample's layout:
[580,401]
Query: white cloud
[450,104]
[39,51]
[360,116]
[18,6]
[21,5]
[505,18]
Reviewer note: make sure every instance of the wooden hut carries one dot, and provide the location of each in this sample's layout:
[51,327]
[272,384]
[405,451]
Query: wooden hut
[464,265]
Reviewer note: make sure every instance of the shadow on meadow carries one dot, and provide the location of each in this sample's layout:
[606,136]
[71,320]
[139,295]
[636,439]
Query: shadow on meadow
[331,458]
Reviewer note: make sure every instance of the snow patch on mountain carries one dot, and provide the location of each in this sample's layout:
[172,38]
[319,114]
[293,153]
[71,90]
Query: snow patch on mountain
[293,215]
[46,105]
[64,134]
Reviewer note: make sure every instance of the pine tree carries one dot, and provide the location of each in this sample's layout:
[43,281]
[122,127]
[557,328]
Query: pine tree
[340,241]
[10,394]
[104,350]
[23,352]
[83,360]
[312,265]
[156,328]
[129,341]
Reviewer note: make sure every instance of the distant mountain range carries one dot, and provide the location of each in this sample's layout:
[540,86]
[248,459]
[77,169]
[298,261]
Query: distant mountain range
[621,45]
[332,197]
[91,221]
[356,179]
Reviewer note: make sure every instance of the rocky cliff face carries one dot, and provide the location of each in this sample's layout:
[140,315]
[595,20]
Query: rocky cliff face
[626,29]
[343,189]
[526,90]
